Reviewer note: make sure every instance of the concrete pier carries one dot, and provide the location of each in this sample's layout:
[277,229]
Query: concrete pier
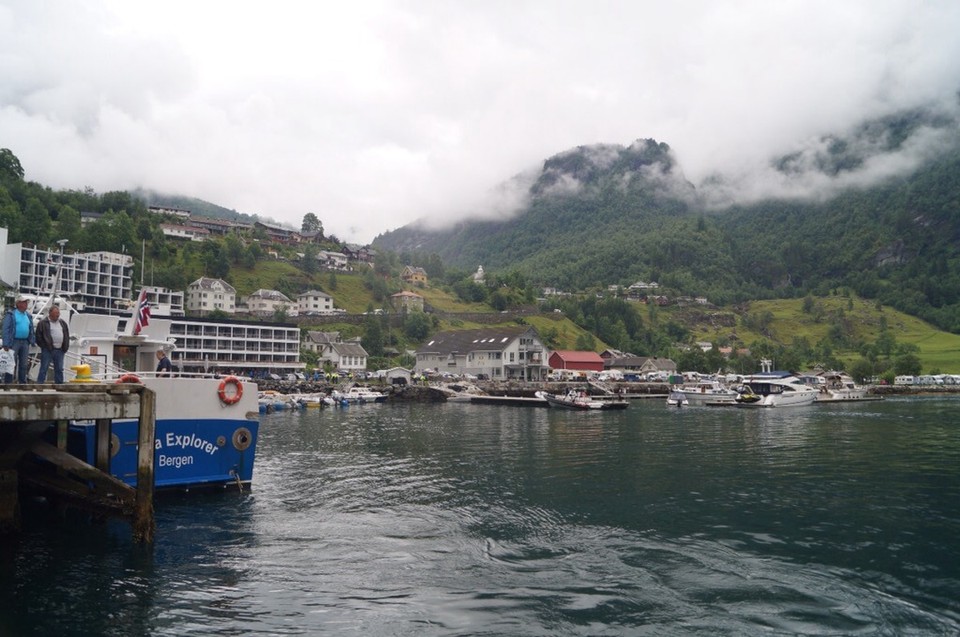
[28,461]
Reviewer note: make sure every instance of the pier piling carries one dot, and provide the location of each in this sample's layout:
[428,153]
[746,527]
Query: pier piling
[27,460]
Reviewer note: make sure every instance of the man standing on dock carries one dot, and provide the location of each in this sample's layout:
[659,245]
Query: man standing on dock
[18,335]
[53,337]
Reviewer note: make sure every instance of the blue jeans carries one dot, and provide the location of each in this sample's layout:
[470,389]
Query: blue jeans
[46,356]
[21,351]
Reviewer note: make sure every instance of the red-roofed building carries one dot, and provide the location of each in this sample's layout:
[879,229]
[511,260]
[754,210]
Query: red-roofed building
[569,359]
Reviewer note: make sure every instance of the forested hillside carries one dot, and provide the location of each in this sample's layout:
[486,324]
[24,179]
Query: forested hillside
[611,215]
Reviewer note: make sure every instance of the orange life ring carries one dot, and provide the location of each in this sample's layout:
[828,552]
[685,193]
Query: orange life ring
[237,395]
[130,378]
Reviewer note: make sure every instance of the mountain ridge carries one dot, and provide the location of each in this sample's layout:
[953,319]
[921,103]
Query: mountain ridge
[604,215]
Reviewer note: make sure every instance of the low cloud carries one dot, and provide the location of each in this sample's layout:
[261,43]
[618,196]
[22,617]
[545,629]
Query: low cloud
[374,114]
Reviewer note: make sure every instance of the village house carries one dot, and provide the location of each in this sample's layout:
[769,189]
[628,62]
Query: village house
[278,234]
[169,210]
[643,364]
[314,302]
[414,276]
[330,348]
[267,302]
[500,353]
[314,341]
[214,226]
[333,260]
[363,254]
[190,233]
[408,301]
[206,295]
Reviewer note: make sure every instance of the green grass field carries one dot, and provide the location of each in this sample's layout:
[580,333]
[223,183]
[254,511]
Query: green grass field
[938,349]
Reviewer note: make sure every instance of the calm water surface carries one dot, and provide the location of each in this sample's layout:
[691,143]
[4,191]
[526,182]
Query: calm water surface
[476,520]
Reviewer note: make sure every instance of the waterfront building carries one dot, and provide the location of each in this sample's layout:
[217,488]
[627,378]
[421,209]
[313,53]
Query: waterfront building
[643,364]
[570,359]
[343,355]
[205,344]
[497,352]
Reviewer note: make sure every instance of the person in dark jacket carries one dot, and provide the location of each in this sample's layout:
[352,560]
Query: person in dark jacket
[163,364]
[19,335]
[53,338]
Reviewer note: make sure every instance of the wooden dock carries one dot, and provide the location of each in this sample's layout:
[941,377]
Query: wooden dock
[28,462]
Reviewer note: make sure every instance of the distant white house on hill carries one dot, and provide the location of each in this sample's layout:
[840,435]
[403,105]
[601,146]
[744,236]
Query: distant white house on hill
[314,302]
[206,295]
[267,302]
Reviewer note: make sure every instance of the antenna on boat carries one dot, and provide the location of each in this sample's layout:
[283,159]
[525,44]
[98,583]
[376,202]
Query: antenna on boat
[54,283]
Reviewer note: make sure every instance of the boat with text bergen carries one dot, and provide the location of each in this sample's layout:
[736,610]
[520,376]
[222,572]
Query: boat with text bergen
[206,425]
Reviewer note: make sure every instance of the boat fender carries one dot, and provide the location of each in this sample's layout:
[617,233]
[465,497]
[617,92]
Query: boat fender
[237,394]
[130,378]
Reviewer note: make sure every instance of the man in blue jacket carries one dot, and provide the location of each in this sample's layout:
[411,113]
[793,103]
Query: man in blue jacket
[18,334]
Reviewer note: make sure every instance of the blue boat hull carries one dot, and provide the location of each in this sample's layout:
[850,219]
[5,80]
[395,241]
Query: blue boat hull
[188,453]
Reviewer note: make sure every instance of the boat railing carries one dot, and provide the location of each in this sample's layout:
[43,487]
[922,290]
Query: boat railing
[100,371]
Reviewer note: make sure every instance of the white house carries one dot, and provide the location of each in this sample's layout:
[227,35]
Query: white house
[498,352]
[267,302]
[343,355]
[191,233]
[206,295]
[314,302]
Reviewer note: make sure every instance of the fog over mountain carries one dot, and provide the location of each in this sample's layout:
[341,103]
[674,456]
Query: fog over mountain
[374,114]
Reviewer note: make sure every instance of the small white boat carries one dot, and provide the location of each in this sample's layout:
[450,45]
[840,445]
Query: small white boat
[358,394]
[311,401]
[838,386]
[579,400]
[677,399]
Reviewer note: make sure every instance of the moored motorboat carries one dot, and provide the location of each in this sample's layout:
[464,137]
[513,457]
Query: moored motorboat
[677,399]
[705,392]
[358,394]
[839,386]
[776,389]
[581,401]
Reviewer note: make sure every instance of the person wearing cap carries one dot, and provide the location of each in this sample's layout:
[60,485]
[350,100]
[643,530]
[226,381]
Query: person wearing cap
[53,337]
[19,335]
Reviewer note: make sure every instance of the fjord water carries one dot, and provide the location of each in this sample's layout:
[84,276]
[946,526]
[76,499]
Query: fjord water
[461,519]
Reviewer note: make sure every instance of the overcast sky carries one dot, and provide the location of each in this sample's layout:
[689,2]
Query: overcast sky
[372,114]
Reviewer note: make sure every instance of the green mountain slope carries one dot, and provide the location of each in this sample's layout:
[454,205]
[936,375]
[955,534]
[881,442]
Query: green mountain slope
[603,215]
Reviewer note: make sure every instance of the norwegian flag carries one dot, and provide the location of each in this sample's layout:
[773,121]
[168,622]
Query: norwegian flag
[143,313]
